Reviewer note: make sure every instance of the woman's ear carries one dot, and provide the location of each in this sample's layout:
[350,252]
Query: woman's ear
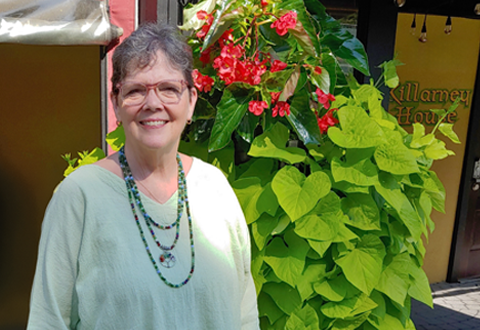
[114,100]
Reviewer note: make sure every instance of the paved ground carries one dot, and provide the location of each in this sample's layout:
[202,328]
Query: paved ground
[456,307]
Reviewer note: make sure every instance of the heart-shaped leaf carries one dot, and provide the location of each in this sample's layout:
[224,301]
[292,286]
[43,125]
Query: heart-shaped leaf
[296,194]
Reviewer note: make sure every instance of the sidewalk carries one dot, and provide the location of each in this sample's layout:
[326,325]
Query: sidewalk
[456,307]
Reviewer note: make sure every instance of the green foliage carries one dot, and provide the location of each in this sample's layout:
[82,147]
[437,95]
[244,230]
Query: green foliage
[336,219]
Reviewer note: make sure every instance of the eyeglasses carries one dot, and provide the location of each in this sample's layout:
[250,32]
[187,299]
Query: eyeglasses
[168,91]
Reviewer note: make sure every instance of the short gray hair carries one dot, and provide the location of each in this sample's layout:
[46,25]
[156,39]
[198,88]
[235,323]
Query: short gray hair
[140,49]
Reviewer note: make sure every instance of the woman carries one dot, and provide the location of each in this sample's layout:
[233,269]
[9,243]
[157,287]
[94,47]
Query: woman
[146,238]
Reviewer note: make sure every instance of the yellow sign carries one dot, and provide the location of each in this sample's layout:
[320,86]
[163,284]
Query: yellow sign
[434,75]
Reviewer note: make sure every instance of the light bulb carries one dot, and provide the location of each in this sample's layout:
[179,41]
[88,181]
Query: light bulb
[413,27]
[399,3]
[448,26]
[423,35]
[477,9]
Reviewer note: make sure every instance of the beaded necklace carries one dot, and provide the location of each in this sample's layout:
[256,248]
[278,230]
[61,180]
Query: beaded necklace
[167,259]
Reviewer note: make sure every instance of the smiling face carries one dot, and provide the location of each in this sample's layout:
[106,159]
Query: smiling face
[153,124]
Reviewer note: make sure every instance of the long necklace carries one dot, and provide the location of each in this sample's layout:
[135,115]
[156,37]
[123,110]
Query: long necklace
[166,259]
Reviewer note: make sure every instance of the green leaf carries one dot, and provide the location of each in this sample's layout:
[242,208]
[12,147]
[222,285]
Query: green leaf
[303,119]
[391,191]
[394,281]
[223,159]
[116,138]
[333,290]
[230,111]
[247,126]
[262,229]
[287,259]
[312,273]
[286,297]
[194,148]
[437,150]
[348,307]
[394,157]
[322,81]
[91,157]
[291,85]
[358,129]
[296,194]
[248,191]
[350,323]
[447,130]
[303,17]
[261,168]
[268,308]
[390,72]
[319,247]
[434,188]
[317,227]
[272,144]
[419,288]
[305,319]
[362,211]
[363,266]
[362,173]
[221,23]
[340,41]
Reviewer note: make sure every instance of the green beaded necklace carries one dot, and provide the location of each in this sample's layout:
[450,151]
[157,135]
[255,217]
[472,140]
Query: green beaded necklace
[167,259]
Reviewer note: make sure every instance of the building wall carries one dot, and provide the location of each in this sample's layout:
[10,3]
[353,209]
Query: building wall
[49,106]
[444,62]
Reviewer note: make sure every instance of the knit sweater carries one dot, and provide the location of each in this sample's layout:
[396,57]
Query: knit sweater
[93,270]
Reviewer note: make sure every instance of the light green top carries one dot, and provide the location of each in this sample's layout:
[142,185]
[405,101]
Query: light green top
[93,271]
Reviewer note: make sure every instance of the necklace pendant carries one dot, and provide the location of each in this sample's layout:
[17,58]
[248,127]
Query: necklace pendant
[167,259]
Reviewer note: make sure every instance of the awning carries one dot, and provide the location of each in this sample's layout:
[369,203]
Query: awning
[56,22]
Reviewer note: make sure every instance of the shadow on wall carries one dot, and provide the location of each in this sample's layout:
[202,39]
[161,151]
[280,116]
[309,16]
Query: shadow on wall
[18,243]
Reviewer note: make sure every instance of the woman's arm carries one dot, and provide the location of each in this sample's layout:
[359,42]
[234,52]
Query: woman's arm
[53,300]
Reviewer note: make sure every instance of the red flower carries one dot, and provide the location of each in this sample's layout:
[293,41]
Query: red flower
[281,108]
[256,107]
[324,98]
[318,70]
[203,15]
[226,38]
[278,66]
[205,56]
[326,121]
[264,3]
[203,83]
[275,96]
[287,21]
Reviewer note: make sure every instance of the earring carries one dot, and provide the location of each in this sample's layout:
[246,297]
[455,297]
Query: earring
[189,121]
[119,123]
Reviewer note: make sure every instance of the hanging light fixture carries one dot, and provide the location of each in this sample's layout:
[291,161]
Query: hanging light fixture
[448,25]
[413,27]
[399,3]
[477,9]
[423,35]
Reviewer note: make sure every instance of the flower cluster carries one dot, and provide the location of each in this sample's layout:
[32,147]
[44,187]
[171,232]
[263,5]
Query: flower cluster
[257,107]
[287,21]
[281,108]
[232,69]
[324,98]
[278,66]
[327,120]
[203,15]
[203,83]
